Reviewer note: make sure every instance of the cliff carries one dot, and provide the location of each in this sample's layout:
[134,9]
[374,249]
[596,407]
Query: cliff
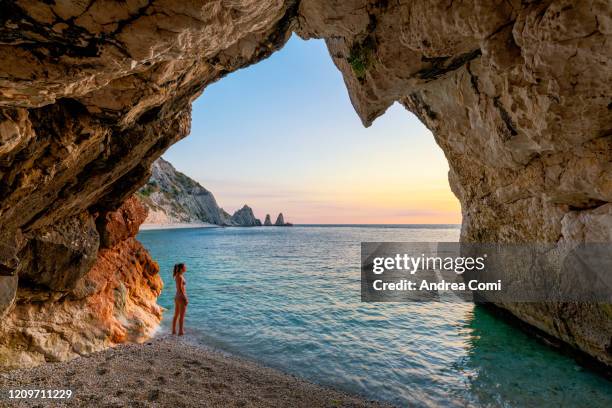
[172,197]
[517,95]
[268,221]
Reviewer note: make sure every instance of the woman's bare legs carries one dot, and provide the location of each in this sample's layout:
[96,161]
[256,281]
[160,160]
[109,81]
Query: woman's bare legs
[177,307]
[182,312]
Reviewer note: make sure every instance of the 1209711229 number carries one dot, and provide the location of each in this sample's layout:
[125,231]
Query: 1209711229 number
[39,394]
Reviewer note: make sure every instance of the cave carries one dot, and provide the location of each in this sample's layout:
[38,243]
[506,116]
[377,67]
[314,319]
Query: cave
[515,93]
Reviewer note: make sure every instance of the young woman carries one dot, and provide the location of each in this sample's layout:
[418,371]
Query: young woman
[180,300]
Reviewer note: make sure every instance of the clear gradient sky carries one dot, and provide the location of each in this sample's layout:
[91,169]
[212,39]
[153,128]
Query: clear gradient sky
[282,136]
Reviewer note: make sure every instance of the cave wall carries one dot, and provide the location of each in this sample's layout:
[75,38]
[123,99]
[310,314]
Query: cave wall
[516,94]
[88,296]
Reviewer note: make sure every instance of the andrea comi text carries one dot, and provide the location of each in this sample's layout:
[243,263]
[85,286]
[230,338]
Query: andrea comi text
[408,285]
[414,264]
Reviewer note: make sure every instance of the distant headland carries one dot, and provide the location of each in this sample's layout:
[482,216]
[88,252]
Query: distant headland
[175,200]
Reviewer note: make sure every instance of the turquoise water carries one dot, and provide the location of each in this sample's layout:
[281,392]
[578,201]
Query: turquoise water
[290,298]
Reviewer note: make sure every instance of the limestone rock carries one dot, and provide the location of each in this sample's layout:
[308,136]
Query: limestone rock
[172,197]
[8,290]
[114,302]
[244,217]
[280,221]
[517,95]
[57,257]
[117,226]
[268,221]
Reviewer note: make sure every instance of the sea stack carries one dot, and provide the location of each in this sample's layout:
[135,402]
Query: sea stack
[280,221]
[268,221]
[244,217]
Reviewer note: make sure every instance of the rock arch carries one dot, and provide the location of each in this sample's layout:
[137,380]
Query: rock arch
[516,93]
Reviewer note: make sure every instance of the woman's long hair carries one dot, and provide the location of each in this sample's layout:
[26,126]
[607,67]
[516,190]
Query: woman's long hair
[178,268]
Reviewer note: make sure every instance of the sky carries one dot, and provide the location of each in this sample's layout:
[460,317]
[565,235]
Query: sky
[282,136]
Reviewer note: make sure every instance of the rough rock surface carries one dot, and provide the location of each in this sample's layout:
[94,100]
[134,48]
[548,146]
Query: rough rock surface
[114,301]
[122,224]
[244,217]
[516,93]
[268,221]
[8,291]
[172,197]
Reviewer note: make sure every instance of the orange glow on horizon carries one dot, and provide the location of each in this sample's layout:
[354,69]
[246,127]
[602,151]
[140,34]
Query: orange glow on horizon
[339,203]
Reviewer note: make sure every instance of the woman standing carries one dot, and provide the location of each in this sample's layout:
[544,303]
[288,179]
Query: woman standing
[180,300]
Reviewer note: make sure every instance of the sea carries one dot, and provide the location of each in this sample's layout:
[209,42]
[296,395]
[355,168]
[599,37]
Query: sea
[289,298]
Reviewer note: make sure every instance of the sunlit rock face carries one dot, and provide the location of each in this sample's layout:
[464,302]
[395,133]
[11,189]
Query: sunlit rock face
[516,93]
[91,93]
[87,306]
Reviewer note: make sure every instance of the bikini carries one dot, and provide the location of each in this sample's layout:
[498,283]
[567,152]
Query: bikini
[179,295]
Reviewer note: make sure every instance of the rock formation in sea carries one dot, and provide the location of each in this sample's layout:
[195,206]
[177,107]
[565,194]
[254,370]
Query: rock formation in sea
[244,217]
[517,95]
[280,221]
[268,221]
[171,197]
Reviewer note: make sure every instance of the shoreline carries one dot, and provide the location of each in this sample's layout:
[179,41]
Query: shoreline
[152,227]
[172,371]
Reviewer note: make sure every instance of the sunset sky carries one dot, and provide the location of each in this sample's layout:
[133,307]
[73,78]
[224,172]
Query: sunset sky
[282,136]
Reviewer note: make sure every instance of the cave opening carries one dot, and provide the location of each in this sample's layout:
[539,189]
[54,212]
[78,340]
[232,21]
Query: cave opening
[93,94]
[282,136]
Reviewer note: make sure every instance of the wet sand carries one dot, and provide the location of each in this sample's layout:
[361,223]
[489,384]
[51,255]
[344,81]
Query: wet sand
[170,372]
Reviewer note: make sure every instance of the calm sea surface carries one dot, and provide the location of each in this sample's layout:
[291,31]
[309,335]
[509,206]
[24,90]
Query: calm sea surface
[290,298]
